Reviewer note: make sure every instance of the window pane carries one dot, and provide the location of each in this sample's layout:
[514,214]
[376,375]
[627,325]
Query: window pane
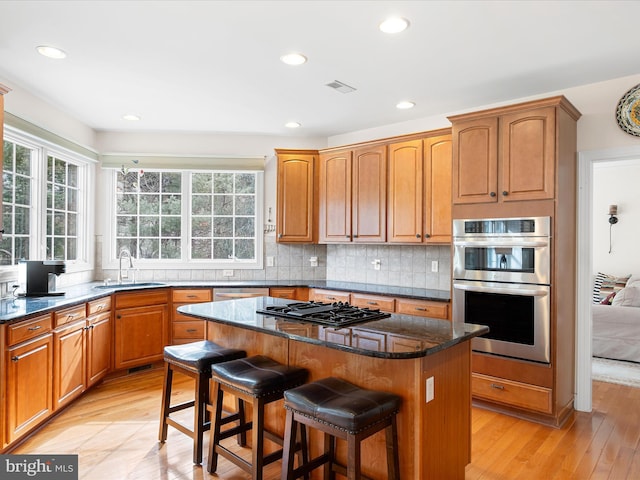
[22,248]
[127,203]
[149,204]
[171,182]
[60,175]
[22,221]
[7,155]
[72,175]
[244,227]
[171,248]
[6,255]
[222,249]
[58,248]
[23,190]
[59,200]
[171,204]
[23,160]
[223,182]
[149,226]
[72,200]
[223,204]
[171,226]
[245,205]
[223,227]
[72,227]
[7,187]
[201,248]
[72,250]
[245,249]
[150,182]
[201,183]
[58,223]
[127,226]
[149,248]
[201,227]
[201,205]
[245,183]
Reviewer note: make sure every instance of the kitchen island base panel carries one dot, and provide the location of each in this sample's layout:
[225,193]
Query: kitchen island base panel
[434,438]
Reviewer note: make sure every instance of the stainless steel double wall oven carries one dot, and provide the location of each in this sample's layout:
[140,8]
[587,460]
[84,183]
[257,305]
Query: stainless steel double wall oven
[502,279]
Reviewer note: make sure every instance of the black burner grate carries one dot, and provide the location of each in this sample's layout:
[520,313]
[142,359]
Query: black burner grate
[334,314]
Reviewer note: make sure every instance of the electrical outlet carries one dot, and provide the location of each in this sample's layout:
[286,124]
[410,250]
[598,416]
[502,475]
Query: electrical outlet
[227,273]
[429,389]
[434,266]
[269,261]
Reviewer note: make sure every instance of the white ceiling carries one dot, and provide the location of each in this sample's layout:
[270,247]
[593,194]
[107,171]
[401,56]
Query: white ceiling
[213,66]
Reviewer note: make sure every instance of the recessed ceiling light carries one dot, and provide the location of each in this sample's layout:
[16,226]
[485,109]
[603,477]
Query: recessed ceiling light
[394,25]
[292,125]
[293,59]
[405,105]
[131,117]
[51,52]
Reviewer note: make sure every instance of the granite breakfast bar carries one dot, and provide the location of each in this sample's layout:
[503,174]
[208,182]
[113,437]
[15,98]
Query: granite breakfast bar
[398,354]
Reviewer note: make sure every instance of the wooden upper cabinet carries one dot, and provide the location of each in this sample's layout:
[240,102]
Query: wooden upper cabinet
[334,222]
[296,212]
[405,202]
[475,161]
[352,195]
[506,154]
[437,189]
[527,155]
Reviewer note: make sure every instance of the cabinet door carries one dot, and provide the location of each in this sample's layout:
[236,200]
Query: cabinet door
[527,155]
[29,398]
[369,199]
[475,161]
[405,192]
[69,363]
[140,335]
[437,189]
[367,340]
[334,222]
[99,341]
[295,202]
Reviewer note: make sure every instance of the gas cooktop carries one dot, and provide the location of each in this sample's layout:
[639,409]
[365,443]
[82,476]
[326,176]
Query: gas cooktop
[334,314]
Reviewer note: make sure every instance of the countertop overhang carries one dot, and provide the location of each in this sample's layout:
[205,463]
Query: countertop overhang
[428,334]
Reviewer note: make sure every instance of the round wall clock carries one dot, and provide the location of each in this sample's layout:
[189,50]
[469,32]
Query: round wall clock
[628,112]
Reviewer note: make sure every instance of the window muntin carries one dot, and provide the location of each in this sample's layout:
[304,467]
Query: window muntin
[201,217]
[63,192]
[17,179]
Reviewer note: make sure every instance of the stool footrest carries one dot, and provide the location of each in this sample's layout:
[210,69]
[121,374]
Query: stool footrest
[181,406]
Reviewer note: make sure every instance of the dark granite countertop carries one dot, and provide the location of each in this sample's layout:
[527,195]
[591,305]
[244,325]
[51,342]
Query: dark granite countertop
[429,335]
[18,308]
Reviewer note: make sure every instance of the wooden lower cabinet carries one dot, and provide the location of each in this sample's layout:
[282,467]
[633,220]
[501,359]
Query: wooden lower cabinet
[362,300]
[291,293]
[99,347]
[423,308]
[141,327]
[69,362]
[29,384]
[328,296]
[188,329]
[509,392]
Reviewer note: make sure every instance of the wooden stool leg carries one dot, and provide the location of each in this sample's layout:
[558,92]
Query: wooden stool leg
[198,417]
[216,397]
[257,439]
[393,462]
[242,436]
[330,447]
[288,446]
[353,457]
[166,402]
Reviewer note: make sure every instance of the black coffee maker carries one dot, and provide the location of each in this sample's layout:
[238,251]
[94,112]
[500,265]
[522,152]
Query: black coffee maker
[37,278]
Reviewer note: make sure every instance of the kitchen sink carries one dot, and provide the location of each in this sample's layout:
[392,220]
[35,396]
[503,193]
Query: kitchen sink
[120,286]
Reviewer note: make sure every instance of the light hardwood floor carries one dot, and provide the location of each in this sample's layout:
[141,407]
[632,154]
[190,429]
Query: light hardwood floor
[114,428]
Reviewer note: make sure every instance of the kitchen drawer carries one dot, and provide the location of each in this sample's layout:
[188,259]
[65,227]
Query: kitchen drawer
[396,343]
[328,296]
[21,331]
[386,304]
[98,306]
[521,395]
[68,315]
[422,308]
[192,330]
[143,298]
[193,295]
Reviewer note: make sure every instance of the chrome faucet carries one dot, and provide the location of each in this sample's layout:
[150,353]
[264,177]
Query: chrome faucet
[124,252]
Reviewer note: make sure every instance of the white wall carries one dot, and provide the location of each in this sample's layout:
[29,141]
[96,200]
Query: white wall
[616,183]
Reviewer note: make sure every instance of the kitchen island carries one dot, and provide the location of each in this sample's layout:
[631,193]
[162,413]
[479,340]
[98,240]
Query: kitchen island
[398,354]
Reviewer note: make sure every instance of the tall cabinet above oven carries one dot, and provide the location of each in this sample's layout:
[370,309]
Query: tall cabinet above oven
[516,162]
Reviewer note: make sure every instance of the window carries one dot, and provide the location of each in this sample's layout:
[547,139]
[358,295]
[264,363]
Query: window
[44,202]
[207,218]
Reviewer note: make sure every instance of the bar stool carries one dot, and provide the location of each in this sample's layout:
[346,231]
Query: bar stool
[258,380]
[340,410]
[194,360]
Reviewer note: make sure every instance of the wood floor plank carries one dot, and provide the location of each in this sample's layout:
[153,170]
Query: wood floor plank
[114,429]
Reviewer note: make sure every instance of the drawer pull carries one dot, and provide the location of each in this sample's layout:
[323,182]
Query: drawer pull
[100,307]
[372,303]
[192,296]
[421,309]
[34,328]
[191,330]
[331,298]
[497,387]
[71,316]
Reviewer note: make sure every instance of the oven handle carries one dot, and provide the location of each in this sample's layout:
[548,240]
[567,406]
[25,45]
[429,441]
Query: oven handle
[532,290]
[502,244]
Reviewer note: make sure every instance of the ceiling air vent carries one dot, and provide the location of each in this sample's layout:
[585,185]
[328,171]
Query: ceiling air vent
[341,87]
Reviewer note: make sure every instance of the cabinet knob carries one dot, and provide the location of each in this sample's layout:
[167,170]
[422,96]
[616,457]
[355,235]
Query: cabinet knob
[15,359]
[279,235]
[492,194]
[417,235]
[355,236]
[505,193]
[426,235]
[118,316]
[348,236]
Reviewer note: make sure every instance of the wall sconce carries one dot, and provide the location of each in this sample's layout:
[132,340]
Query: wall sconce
[613,219]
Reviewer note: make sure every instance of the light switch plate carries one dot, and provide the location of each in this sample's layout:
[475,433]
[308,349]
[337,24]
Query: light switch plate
[430,392]
[227,273]
[269,261]
[434,266]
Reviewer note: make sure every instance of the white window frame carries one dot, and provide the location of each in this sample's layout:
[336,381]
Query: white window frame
[110,256]
[86,178]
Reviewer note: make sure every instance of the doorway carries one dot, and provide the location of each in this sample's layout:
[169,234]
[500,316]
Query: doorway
[586,162]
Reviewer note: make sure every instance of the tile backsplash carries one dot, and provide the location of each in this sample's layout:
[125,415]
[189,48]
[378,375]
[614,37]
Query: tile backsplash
[400,265]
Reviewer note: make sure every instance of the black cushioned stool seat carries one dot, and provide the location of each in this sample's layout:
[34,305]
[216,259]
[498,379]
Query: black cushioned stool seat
[340,410]
[194,360]
[258,380]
